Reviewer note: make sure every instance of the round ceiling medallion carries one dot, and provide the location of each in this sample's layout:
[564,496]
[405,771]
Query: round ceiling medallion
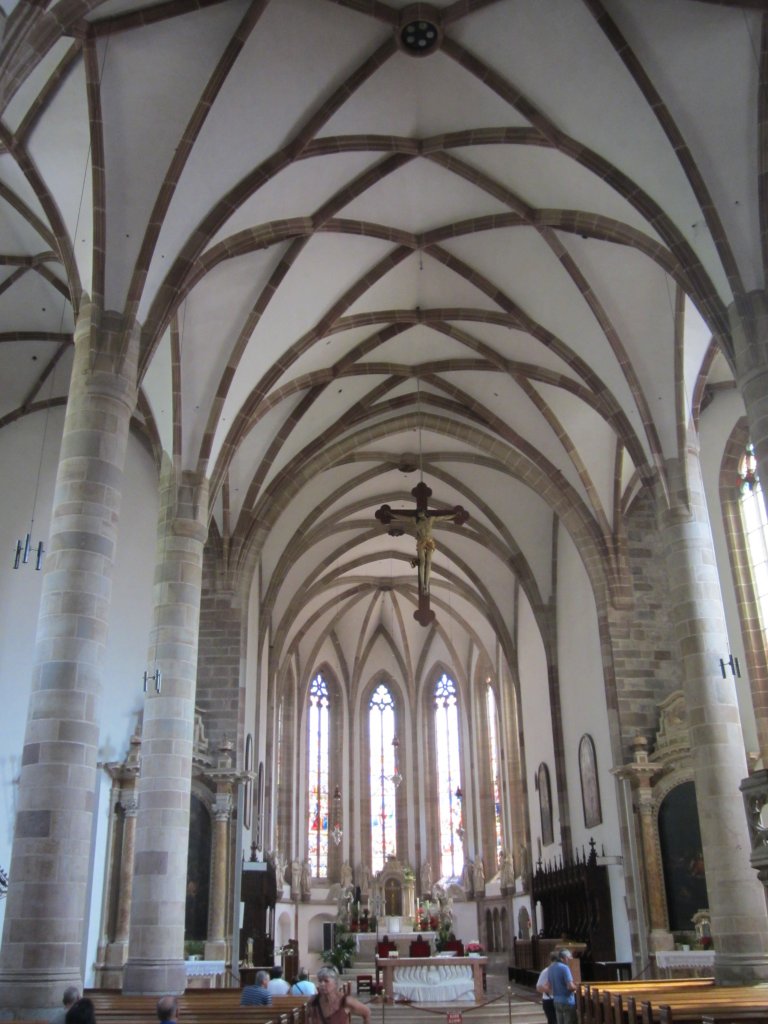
[420,32]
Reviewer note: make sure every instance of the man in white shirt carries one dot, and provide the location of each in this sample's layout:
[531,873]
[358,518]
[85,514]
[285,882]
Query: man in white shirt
[278,986]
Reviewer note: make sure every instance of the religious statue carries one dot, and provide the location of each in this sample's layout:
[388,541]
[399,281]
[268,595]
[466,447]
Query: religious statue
[426,880]
[278,862]
[466,877]
[420,522]
[507,871]
[295,878]
[478,876]
[365,879]
[306,880]
[346,875]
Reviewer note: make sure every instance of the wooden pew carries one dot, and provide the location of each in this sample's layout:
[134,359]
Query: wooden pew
[198,1006]
[662,1004]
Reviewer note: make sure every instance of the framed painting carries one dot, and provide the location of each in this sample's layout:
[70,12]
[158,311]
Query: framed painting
[545,805]
[590,787]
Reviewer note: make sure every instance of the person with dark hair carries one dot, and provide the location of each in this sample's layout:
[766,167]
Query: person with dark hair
[81,1012]
[71,995]
[257,994]
[277,985]
[168,1009]
[302,986]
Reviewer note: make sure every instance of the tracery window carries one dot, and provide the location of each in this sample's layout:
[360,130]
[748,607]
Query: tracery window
[755,524]
[493,748]
[318,737]
[448,777]
[383,767]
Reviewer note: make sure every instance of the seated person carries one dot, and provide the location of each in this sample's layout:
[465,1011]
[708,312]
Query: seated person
[277,985]
[303,986]
[256,994]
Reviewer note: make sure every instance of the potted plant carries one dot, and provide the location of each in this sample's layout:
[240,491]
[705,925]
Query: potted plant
[340,956]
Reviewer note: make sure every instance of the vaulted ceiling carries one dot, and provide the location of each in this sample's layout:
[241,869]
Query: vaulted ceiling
[484,243]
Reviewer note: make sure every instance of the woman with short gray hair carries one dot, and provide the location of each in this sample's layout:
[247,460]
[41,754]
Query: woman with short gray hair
[330,1005]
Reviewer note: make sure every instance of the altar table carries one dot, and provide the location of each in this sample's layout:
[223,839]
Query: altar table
[697,960]
[213,970]
[433,979]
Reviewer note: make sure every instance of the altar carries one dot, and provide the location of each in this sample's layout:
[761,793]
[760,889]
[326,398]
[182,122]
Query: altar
[436,979]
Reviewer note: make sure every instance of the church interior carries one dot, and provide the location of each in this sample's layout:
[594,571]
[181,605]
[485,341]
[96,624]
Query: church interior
[383,409]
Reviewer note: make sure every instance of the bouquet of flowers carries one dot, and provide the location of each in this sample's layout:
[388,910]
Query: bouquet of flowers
[473,947]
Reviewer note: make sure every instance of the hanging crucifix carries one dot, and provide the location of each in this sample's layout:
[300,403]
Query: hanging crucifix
[420,521]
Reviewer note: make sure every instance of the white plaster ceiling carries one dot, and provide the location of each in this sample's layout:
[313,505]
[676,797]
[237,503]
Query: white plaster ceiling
[471,256]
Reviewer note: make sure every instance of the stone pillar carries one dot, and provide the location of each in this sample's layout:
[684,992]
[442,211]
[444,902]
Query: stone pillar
[736,899]
[44,930]
[641,772]
[216,944]
[156,955]
[130,808]
[749,328]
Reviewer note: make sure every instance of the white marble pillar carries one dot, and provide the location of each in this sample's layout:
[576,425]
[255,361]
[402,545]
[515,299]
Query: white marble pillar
[736,898]
[44,926]
[155,962]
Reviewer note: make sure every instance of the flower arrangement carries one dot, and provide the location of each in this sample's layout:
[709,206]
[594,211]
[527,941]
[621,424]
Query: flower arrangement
[473,947]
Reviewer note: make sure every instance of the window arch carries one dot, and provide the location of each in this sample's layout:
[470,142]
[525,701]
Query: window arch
[384,778]
[448,774]
[495,769]
[755,525]
[318,752]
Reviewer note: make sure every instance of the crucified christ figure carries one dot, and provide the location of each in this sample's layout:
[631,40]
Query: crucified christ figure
[421,521]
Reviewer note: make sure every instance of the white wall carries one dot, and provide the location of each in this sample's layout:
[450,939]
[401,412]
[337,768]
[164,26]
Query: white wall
[130,618]
[537,731]
[583,703]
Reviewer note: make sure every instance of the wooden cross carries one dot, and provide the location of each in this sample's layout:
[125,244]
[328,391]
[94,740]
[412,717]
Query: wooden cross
[420,521]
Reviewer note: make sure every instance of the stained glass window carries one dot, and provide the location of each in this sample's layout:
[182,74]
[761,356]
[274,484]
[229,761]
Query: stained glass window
[449,778]
[317,762]
[756,531]
[381,722]
[493,746]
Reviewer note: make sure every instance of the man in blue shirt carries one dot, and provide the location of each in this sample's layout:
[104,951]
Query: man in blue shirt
[257,995]
[563,989]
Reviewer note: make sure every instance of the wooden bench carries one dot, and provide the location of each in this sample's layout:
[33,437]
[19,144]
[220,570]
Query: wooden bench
[606,1003]
[197,1006]
[670,1002]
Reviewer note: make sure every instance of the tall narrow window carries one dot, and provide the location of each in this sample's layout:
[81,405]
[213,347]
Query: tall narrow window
[317,761]
[381,723]
[493,748]
[756,531]
[448,778]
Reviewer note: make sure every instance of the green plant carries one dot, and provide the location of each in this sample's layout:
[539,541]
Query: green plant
[340,956]
[193,947]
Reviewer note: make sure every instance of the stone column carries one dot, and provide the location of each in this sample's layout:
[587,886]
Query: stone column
[736,899]
[216,944]
[749,327]
[130,808]
[641,772]
[44,930]
[156,954]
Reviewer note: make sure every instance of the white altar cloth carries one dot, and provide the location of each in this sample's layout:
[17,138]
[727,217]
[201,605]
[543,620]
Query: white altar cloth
[197,968]
[446,983]
[686,959]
